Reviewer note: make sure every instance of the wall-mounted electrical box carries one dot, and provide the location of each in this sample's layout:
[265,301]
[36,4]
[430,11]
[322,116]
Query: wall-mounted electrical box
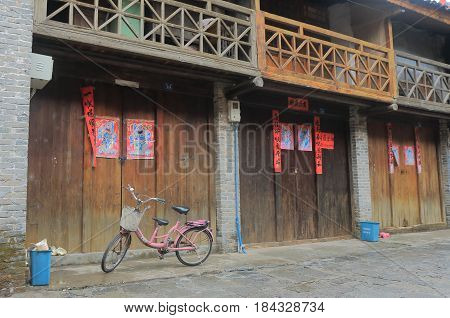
[41,70]
[234,111]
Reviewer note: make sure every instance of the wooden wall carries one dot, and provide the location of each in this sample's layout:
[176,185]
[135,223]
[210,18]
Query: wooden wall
[78,207]
[404,198]
[296,204]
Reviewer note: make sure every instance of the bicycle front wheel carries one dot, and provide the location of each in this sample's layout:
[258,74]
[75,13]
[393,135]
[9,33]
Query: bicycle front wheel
[201,240]
[115,252]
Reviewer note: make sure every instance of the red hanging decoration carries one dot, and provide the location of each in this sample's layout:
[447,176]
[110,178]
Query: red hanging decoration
[322,140]
[318,145]
[418,150]
[298,104]
[87,96]
[276,141]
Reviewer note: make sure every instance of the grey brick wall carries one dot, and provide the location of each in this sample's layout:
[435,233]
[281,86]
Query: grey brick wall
[16,19]
[225,184]
[360,174]
[444,165]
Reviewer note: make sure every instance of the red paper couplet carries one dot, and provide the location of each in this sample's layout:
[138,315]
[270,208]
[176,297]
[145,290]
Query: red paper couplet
[276,141]
[87,96]
[322,141]
[298,104]
[317,145]
[326,140]
[418,150]
[390,153]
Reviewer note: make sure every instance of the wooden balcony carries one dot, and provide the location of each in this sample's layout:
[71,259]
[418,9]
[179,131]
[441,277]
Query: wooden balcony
[303,54]
[423,83]
[210,33]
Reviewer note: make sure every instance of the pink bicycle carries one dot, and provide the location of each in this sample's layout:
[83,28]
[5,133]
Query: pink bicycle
[192,243]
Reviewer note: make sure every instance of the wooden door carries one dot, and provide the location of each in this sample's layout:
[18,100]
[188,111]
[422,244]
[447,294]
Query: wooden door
[139,173]
[299,213]
[429,189]
[257,197]
[55,166]
[333,191]
[102,185]
[406,197]
[77,206]
[379,173]
[405,200]
[295,204]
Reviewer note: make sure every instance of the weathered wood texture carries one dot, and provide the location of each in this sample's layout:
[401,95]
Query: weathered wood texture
[309,206]
[423,83]
[299,53]
[102,201]
[404,198]
[77,206]
[55,167]
[200,32]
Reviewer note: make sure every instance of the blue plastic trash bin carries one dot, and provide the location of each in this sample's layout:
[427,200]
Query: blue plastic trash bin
[369,231]
[40,267]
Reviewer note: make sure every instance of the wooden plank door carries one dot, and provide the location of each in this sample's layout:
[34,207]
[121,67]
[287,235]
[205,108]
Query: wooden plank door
[405,199]
[305,186]
[55,166]
[379,174]
[257,188]
[429,183]
[102,185]
[139,173]
[334,216]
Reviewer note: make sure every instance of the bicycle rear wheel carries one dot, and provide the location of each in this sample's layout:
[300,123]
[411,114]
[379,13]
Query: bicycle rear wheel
[115,252]
[195,237]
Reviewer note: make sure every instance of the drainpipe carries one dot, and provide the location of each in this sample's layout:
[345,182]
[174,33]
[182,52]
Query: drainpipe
[241,247]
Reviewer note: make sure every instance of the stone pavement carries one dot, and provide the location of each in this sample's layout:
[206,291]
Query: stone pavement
[406,265]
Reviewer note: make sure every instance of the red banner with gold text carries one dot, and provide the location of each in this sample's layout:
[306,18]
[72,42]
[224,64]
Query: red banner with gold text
[276,141]
[87,96]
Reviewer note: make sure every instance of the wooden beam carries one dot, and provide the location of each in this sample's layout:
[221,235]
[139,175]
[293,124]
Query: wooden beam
[379,110]
[116,60]
[421,113]
[425,11]
[244,87]
[311,92]
[71,34]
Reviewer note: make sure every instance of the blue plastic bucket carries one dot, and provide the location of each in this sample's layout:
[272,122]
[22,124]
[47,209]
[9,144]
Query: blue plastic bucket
[40,267]
[369,231]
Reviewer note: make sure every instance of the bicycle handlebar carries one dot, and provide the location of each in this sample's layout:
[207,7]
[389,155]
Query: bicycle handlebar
[140,201]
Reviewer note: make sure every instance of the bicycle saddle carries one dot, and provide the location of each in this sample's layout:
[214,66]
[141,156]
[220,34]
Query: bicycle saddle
[181,209]
[161,221]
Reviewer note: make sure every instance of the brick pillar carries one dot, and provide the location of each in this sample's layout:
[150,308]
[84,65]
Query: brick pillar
[16,20]
[225,169]
[360,174]
[444,166]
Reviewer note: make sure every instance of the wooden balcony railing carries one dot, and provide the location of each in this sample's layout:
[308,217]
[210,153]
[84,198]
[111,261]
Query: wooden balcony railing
[197,31]
[423,82]
[307,55]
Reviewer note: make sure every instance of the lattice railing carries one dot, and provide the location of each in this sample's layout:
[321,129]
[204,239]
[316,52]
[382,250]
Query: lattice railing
[213,27]
[423,79]
[298,50]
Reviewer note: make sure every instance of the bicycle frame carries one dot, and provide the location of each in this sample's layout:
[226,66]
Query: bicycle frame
[152,242]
